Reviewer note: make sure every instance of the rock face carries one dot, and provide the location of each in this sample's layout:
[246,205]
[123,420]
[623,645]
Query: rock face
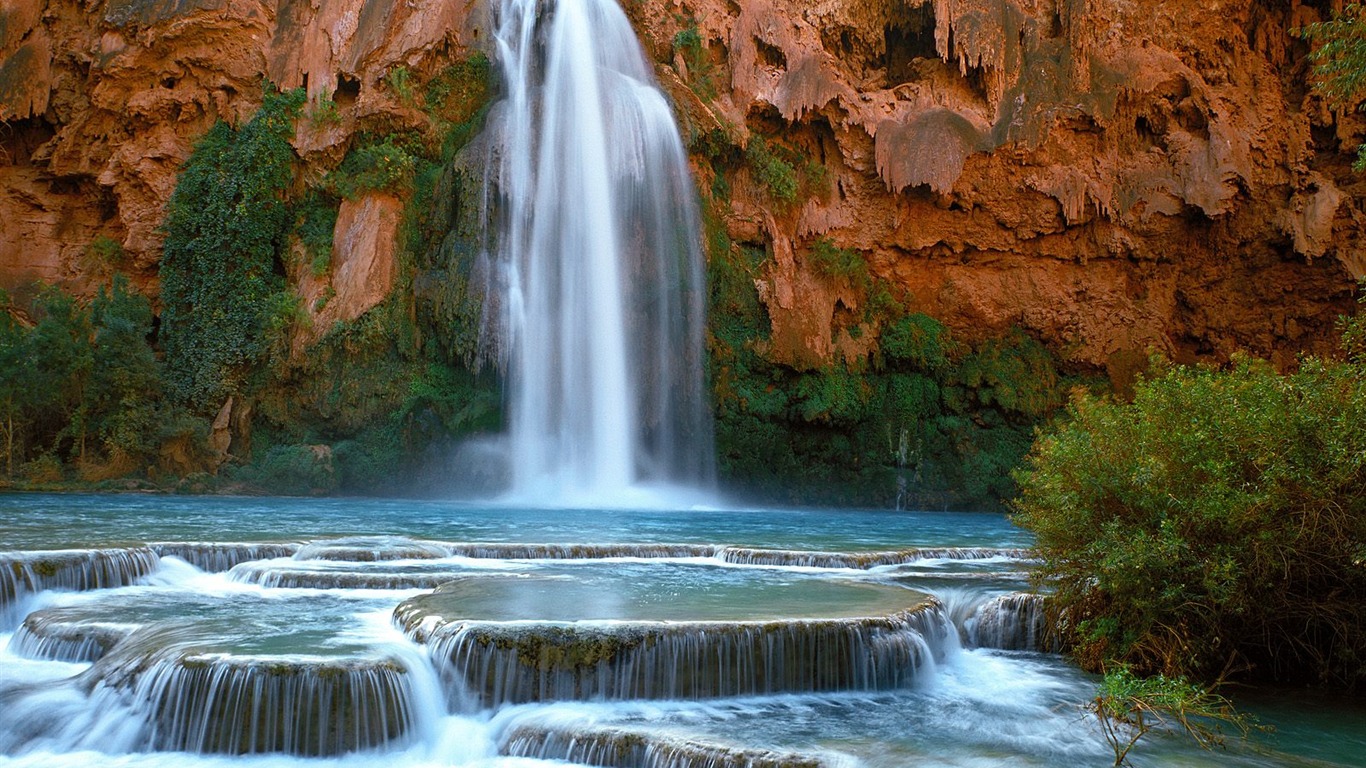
[101,102]
[1112,176]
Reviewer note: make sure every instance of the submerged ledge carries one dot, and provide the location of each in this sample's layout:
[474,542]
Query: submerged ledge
[486,663]
[23,573]
[210,703]
[622,748]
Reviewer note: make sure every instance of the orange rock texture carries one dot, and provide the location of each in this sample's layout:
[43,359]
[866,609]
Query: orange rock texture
[101,102]
[1113,176]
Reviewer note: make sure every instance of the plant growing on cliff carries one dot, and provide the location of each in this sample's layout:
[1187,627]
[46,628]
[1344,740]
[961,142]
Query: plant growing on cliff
[225,227]
[1340,61]
[400,82]
[692,49]
[946,420]
[323,112]
[375,165]
[772,171]
[1214,524]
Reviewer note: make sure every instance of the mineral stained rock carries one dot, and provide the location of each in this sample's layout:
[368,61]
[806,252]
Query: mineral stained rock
[1111,176]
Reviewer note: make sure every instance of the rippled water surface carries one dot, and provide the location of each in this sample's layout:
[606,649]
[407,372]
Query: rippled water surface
[294,649]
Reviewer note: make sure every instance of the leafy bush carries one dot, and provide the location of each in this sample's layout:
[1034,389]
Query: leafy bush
[323,112]
[372,166]
[317,221]
[292,470]
[225,227]
[1128,707]
[689,45]
[400,82]
[916,341]
[774,173]
[1340,61]
[828,260]
[1217,522]
[105,251]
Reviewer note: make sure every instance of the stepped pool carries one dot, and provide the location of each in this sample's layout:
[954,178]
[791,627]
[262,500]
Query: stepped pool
[181,631]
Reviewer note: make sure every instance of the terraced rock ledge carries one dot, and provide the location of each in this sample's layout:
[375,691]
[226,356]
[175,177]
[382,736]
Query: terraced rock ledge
[487,660]
[620,748]
[23,573]
[212,703]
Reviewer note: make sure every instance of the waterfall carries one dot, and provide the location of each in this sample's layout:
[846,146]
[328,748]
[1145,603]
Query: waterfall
[488,664]
[595,298]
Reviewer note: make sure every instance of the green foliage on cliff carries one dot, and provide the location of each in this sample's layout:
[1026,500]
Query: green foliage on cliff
[774,172]
[1215,524]
[385,389]
[375,164]
[1339,60]
[316,220]
[689,45]
[357,411]
[927,421]
[225,227]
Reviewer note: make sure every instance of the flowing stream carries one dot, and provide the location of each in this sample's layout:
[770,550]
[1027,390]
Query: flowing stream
[196,632]
[597,289]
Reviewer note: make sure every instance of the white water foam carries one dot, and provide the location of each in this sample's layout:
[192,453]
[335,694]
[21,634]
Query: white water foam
[595,290]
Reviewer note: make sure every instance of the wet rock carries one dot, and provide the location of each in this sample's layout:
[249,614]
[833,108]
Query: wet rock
[622,748]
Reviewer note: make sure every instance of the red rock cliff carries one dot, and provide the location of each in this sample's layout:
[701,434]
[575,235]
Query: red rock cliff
[1111,175]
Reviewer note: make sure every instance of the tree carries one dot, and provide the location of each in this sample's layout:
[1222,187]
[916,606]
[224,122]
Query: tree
[1340,62]
[1215,524]
[16,384]
[61,361]
[126,387]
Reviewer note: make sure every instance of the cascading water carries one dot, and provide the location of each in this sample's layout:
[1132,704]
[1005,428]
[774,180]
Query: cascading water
[499,640]
[595,304]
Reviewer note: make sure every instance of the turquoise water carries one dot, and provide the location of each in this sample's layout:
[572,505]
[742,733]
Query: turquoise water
[51,521]
[334,599]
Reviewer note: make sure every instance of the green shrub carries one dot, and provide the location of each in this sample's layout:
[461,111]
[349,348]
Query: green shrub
[316,221]
[373,460]
[106,252]
[917,342]
[323,112]
[373,166]
[1340,61]
[1217,522]
[774,173]
[43,470]
[827,260]
[226,227]
[400,82]
[688,44]
[292,470]
[1128,707]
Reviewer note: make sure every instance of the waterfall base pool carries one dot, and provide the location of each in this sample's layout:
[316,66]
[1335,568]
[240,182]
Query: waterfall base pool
[171,631]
